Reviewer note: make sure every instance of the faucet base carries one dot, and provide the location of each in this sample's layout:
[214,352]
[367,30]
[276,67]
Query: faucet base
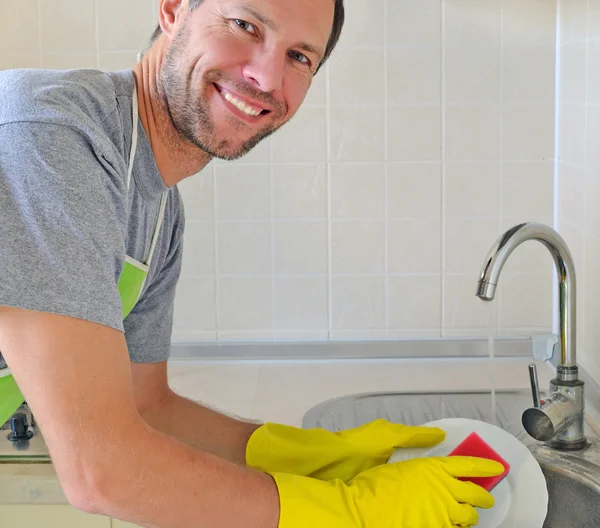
[577,445]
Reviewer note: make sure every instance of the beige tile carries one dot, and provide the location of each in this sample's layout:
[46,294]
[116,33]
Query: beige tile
[467,243]
[347,88]
[472,132]
[592,138]
[303,138]
[301,335]
[124,25]
[204,382]
[414,75]
[472,189]
[526,300]
[22,60]
[357,134]
[117,60]
[572,133]
[593,76]
[197,194]
[471,24]
[573,20]
[63,25]
[592,280]
[414,133]
[358,190]
[528,189]
[414,246]
[411,22]
[591,334]
[358,303]
[529,22]
[195,305]
[198,249]
[573,195]
[591,197]
[300,191]
[473,73]
[364,26]
[414,190]
[19,27]
[301,247]
[69,61]
[243,192]
[244,248]
[245,304]
[245,336]
[301,303]
[593,18]
[194,336]
[357,246]
[462,309]
[529,73]
[317,94]
[573,66]
[414,302]
[528,132]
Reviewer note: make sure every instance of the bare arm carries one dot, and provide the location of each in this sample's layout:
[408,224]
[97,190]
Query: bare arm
[77,378]
[188,421]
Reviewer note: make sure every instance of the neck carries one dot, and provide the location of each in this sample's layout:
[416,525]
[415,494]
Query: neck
[175,157]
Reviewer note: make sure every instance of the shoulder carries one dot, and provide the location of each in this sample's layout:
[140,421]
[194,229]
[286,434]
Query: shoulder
[73,97]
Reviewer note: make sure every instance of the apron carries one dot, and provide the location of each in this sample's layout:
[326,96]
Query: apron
[134,273]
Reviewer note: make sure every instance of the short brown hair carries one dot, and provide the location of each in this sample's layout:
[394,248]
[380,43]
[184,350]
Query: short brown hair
[339,16]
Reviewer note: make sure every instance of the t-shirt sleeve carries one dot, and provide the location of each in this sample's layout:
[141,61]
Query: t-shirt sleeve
[149,326]
[61,242]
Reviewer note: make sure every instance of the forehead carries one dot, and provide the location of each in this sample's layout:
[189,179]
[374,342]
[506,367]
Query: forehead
[307,20]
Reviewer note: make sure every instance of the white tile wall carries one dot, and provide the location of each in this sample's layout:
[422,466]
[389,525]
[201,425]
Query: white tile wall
[579,162]
[429,132]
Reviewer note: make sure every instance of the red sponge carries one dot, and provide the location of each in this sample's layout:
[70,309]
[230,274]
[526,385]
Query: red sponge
[475,446]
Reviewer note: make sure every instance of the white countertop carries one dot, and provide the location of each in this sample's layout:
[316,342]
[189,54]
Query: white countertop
[282,391]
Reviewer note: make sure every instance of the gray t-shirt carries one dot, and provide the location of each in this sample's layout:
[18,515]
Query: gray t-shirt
[66,218]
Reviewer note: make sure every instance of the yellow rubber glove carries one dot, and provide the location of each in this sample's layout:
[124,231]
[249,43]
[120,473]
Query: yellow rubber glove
[419,493]
[320,454]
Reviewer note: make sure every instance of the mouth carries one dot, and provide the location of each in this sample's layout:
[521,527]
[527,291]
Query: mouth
[242,106]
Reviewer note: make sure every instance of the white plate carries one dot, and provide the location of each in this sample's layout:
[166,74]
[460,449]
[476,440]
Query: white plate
[521,498]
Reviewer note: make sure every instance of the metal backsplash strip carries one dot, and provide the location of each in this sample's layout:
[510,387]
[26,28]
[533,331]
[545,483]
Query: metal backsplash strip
[417,349]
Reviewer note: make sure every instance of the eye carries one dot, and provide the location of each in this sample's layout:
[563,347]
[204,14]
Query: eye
[299,57]
[246,26]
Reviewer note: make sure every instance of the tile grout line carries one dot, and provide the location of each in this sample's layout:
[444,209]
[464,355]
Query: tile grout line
[40,34]
[386,175]
[500,300]
[273,249]
[97,33]
[443,108]
[329,222]
[216,252]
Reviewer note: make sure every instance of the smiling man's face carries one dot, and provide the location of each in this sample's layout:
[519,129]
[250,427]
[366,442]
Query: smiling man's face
[236,71]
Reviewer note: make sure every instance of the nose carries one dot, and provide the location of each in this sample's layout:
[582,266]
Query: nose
[265,70]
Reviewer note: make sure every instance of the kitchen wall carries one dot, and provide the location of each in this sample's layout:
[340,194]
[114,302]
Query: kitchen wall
[579,162]
[429,133]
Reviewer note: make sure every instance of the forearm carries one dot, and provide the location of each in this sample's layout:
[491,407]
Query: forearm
[202,428]
[155,481]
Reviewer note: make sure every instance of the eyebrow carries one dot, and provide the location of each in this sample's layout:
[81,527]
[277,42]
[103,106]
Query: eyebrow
[273,27]
[259,16]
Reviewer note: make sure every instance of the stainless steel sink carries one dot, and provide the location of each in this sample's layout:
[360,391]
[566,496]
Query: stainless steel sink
[573,478]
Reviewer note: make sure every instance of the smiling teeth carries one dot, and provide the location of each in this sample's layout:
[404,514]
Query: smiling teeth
[243,107]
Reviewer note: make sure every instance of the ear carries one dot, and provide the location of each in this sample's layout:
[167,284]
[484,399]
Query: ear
[169,13]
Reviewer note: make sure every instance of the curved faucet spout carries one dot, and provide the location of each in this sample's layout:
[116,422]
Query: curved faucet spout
[565,268]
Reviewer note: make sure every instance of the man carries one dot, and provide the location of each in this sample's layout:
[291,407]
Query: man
[91,241]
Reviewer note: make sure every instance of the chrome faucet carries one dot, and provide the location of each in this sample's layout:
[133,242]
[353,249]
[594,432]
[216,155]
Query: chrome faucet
[559,419]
